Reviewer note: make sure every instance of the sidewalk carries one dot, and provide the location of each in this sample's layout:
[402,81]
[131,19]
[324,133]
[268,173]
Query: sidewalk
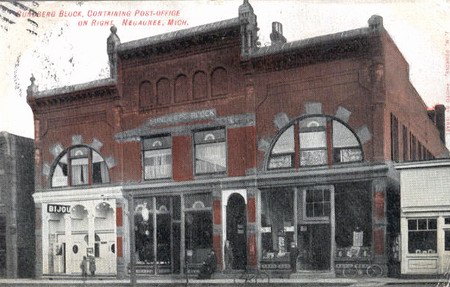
[158,281]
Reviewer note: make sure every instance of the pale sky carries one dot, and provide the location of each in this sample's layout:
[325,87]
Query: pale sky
[64,53]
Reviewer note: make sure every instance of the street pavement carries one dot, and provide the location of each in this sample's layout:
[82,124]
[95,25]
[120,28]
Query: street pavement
[158,281]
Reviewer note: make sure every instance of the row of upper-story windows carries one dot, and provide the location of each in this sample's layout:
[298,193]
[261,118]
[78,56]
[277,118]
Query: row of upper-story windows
[410,148]
[209,154]
[182,89]
[308,141]
[82,165]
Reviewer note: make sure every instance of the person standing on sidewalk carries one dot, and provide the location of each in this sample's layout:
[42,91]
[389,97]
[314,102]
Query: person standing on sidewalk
[228,256]
[92,267]
[83,267]
[293,256]
[208,267]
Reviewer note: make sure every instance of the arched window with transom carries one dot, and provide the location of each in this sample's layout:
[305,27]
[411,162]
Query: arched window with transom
[79,165]
[315,141]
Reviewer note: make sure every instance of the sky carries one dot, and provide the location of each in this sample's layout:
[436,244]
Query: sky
[59,51]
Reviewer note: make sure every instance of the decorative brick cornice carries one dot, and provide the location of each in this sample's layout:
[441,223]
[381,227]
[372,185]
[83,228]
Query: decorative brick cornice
[102,89]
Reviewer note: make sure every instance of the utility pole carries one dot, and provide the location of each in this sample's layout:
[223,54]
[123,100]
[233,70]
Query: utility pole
[132,242]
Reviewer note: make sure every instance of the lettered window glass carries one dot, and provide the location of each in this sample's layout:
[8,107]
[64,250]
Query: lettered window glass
[210,151]
[157,157]
[422,235]
[345,145]
[313,141]
[283,152]
[79,165]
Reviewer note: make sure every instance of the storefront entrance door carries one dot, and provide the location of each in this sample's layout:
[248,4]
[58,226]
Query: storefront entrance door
[315,244]
[157,235]
[236,230]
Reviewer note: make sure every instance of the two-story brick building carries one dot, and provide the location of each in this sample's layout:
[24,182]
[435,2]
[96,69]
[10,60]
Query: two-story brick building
[17,256]
[201,136]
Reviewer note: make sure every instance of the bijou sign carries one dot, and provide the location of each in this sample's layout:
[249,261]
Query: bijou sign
[57,208]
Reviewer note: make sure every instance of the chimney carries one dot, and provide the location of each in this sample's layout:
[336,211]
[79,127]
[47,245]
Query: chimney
[375,22]
[111,44]
[440,121]
[276,36]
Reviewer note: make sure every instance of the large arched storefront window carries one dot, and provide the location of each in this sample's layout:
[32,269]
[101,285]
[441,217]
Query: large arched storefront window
[318,220]
[79,165]
[314,141]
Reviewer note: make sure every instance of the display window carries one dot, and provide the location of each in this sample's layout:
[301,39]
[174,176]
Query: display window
[277,223]
[422,235]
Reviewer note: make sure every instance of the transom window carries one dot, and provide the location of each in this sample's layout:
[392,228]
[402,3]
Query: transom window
[157,153]
[79,165]
[315,141]
[210,151]
[317,203]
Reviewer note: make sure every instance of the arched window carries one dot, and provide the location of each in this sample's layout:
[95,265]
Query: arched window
[219,82]
[315,141]
[146,96]
[199,86]
[79,165]
[164,96]
[181,89]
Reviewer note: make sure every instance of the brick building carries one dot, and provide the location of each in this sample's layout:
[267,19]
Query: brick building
[16,206]
[204,137]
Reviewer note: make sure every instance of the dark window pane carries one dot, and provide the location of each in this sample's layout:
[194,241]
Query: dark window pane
[447,240]
[422,241]
[318,209]
[309,196]
[309,210]
[432,224]
[412,224]
[422,224]
[326,209]
[176,207]
[97,250]
[326,196]
[198,234]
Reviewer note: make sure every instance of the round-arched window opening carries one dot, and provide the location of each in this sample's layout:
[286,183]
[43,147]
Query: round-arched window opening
[75,249]
[113,248]
[82,165]
[315,140]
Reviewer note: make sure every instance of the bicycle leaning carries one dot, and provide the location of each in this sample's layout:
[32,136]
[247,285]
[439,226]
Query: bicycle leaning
[373,270]
[252,275]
